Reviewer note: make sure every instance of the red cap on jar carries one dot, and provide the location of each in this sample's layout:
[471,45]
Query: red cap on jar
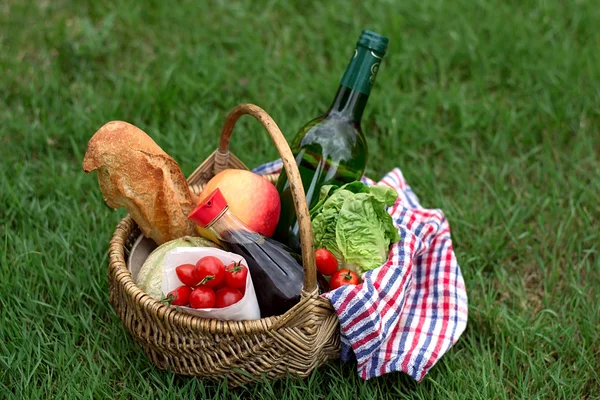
[209,209]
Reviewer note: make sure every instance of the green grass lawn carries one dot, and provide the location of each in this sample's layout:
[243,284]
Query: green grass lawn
[491,109]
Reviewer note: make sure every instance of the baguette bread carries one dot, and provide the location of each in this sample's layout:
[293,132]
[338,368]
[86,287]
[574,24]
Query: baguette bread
[135,173]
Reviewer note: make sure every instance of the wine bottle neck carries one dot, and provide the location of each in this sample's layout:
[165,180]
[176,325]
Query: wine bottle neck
[357,81]
[349,103]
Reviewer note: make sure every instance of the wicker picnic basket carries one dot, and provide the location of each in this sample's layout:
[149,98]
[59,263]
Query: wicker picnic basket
[294,343]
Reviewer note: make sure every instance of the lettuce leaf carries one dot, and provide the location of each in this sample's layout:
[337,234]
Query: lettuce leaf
[352,222]
[325,221]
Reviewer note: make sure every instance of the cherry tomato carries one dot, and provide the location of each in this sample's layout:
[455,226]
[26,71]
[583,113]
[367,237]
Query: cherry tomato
[202,297]
[209,271]
[185,273]
[326,262]
[180,296]
[343,277]
[235,275]
[227,297]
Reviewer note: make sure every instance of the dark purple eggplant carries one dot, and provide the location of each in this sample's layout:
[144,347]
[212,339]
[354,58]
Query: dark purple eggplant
[276,272]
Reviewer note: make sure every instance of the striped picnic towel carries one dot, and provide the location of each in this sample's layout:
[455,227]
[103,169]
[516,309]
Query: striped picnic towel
[407,313]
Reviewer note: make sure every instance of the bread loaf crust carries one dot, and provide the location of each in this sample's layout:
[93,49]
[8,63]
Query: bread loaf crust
[135,173]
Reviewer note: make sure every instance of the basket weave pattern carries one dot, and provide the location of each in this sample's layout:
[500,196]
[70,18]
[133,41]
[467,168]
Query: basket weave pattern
[296,342]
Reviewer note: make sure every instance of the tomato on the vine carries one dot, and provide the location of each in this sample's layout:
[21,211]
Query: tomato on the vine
[326,262]
[179,296]
[235,275]
[185,273]
[227,296]
[343,277]
[202,297]
[209,271]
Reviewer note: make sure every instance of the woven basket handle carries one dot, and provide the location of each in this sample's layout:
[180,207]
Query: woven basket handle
[290,168]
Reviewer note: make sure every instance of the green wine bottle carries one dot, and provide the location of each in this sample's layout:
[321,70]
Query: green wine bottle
[332,149]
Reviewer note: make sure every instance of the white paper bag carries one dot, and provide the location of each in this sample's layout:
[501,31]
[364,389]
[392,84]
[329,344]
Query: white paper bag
[245,309]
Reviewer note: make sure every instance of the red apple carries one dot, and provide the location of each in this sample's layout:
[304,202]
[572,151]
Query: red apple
[251,197]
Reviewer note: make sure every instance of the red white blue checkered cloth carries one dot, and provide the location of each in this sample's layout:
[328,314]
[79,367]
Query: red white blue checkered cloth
[407,313]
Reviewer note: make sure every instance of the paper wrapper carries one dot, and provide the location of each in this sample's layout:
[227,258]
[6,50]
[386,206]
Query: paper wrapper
[245,309]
